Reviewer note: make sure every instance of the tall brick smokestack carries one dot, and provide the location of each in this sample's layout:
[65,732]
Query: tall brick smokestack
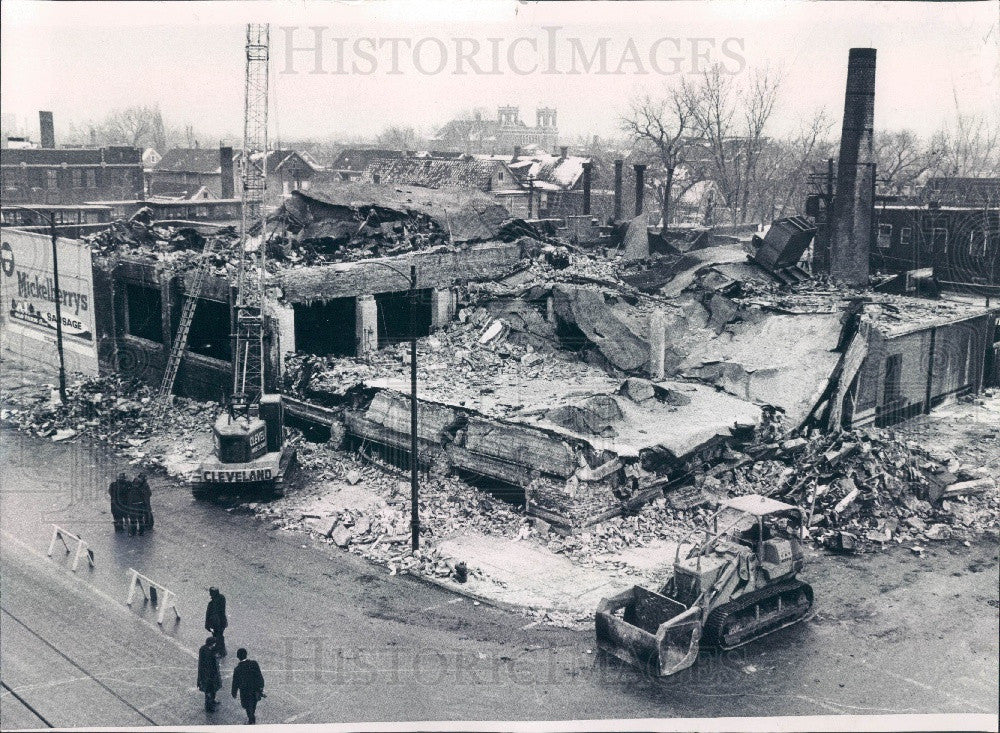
[586,186]
[227,189]
[46,130]
[640,186]
[850,242]
[618,190]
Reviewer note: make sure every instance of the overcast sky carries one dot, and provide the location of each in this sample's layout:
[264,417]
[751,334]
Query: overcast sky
[396,62]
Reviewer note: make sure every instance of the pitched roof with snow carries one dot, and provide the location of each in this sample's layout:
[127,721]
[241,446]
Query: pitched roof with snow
[190,160]
[358,159]
[551,172]
[478,174]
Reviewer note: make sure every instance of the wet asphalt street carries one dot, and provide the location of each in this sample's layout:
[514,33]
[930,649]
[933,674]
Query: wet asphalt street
[340,640]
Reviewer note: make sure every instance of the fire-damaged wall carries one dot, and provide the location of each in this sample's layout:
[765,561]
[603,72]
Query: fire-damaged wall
[910,373]
[567,479]
[139,307]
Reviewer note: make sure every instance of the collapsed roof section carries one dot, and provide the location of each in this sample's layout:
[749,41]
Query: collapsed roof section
[353,221]
[349,222]
[141,239]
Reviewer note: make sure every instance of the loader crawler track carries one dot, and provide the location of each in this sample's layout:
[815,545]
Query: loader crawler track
[756,614]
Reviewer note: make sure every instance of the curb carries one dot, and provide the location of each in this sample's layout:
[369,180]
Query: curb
[498,604]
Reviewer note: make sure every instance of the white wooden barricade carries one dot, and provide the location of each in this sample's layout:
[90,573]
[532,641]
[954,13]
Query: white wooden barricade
[168,597]
[58,533]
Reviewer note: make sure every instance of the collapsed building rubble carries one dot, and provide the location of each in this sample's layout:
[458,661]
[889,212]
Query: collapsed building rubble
[593,397]
[861,490]
[619,395]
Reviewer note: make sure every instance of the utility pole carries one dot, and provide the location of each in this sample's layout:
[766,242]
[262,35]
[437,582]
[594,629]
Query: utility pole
[414,488]
[58,298]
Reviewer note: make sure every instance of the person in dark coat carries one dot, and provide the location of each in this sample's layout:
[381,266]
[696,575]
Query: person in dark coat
[209,678]
[118,490]
[216,621]
[135,501]
[145,494]
[249,682]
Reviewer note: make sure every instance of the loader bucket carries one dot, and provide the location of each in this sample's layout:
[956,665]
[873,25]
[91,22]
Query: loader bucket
[649,631]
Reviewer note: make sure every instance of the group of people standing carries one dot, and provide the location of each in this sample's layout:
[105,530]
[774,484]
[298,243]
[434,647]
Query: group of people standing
[248,681]
[130,504]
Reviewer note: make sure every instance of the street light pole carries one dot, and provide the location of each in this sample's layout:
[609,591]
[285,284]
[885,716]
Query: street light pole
[414,483]
[414,488]
[58,299]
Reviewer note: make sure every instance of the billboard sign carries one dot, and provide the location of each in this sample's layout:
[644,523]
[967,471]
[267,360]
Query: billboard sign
[28,289]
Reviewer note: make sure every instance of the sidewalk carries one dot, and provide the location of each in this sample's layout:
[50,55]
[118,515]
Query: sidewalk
[518,568]
[528,574]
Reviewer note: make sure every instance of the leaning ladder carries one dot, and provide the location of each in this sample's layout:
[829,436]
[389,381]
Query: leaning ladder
[179,345]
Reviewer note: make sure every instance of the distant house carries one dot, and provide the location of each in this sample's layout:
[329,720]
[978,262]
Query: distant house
[556,182]
[699,203]
[287,171]
[70,175]
[500,135]
[150,158]
[351,163]
[490,176]
[190,173]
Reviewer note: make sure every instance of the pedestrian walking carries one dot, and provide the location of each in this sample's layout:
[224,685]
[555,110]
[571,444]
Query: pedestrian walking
[209,678]
[216,621]
[249,682]
[145,495]
[118,490]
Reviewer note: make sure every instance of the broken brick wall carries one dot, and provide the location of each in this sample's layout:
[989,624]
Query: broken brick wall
[135,356]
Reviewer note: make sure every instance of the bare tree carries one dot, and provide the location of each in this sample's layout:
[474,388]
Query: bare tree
[968,146]
[134,126]
[470,130]
[901,158]
[783,179]
[396,137]
[659,128]
[731,121]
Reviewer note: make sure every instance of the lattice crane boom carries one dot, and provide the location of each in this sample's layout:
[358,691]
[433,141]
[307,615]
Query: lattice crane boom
[248,353]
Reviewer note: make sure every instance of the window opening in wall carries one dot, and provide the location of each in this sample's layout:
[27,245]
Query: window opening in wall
[977,243]
[939,239]
[326,328]
[144,309]
[394,316]
[885,235]
[893,390]
[210,332]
